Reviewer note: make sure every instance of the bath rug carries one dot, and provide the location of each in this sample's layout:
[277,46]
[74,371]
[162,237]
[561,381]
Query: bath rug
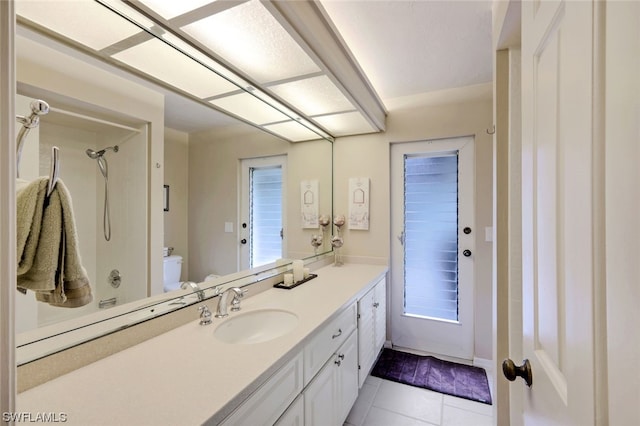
[462,381]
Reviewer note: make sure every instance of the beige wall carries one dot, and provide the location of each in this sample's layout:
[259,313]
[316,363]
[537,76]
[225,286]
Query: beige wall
[458,112]
[176,175]
[214,167]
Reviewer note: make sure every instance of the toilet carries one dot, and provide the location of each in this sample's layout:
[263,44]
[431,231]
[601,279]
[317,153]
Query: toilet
[211,277]
[172,266]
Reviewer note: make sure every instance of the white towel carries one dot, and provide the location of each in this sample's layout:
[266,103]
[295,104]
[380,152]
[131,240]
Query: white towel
[49,261]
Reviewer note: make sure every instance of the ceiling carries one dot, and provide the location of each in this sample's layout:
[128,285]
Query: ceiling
[410,47]
[403,47]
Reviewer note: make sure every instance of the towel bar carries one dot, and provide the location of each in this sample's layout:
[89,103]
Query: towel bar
[107,303]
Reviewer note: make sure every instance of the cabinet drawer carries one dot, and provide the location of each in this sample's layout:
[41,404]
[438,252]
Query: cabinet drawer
[325,342]
[268,403]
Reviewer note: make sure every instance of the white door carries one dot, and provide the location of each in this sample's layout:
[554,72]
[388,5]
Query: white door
[262,236]
[558,224]
[432,246]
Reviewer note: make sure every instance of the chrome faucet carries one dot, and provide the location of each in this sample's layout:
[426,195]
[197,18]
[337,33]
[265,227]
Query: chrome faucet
[238,293]
[194,287]
[205,315]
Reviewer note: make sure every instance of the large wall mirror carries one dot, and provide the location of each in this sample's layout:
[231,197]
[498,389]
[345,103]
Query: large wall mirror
[149,164]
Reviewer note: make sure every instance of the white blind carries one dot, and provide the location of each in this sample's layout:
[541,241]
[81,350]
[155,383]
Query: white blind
[265,214]
[431,236]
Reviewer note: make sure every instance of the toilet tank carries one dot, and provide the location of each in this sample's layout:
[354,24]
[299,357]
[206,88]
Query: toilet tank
[172,266]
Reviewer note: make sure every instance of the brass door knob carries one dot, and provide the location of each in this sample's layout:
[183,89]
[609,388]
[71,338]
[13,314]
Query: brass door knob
[511,371]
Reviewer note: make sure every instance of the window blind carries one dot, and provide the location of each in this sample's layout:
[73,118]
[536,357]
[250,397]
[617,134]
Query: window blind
[265,211]
[431,236]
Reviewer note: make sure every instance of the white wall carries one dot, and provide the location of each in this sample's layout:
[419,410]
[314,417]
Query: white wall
[457,112]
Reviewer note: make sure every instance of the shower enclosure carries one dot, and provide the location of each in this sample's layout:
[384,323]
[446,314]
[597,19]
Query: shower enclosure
[104,166]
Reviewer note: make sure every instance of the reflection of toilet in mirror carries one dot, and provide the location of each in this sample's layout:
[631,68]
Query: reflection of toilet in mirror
[172,267]
[211,277]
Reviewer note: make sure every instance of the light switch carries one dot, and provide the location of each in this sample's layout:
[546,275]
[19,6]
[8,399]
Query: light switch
[488,234]
[228,227]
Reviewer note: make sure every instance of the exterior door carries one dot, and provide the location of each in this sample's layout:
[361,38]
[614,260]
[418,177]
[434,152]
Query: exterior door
[432,250]
[558,223]
[262,211]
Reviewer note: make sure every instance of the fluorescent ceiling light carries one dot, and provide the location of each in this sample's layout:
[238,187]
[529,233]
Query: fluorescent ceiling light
[161,61]
[251,39]
[313,96]
[349,123]
[292,131]
[249,108]
[283,82]
[86,22]
[172,8]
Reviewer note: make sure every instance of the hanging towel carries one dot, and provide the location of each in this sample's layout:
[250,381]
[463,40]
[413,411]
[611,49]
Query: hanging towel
[49,260]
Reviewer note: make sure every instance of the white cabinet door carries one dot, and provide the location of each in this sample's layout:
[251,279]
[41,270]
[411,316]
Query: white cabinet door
[366,335]
[372,327]
[346,377]
[294,416]
[331,394]
[267,403]
[380,313]
[319,398]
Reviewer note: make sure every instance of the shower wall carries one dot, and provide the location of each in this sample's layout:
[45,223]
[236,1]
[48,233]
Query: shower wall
[126,251]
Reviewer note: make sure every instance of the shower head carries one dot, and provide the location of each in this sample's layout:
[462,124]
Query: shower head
[39,107]
[98,154]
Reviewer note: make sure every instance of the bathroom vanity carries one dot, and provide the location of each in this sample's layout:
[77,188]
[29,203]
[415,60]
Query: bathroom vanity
[312,348]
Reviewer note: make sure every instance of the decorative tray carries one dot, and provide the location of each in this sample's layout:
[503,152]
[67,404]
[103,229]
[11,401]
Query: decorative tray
[296,284]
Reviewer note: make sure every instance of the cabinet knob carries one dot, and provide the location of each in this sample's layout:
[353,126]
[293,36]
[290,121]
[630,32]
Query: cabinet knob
[375,305]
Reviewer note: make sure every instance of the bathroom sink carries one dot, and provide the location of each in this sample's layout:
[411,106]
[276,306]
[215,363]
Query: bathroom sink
[256,326]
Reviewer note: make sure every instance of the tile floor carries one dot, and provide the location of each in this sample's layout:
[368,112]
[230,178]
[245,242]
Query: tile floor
[385,403]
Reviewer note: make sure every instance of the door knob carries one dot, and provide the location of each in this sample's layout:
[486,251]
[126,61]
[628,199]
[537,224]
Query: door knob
[243,241]
[466,253]
[511,371]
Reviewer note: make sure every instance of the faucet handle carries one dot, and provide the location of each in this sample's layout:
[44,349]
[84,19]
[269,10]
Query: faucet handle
[238,294]
[205,315]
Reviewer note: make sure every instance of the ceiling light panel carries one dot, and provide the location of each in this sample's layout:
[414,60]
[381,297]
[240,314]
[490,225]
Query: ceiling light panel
[85,22]
[349,123]
[292,131]
[171,9]
[161,61]
[250,108]
[251,39]
[313,96]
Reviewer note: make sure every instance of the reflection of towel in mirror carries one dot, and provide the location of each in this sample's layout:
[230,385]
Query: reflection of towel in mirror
[48,254]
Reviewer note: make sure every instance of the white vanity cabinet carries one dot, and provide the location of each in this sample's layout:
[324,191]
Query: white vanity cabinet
[267,403]
[294,416]
[372,312]
[331,394]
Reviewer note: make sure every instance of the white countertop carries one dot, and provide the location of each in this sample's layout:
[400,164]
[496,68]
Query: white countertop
[188,377]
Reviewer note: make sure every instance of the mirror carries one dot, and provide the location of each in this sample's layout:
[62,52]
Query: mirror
[147,137]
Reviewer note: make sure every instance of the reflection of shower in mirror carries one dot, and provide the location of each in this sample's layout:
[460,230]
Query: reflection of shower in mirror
[104,169]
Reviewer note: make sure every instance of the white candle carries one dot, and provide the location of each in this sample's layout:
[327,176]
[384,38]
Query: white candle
[306,272]
[298,270]
[288,279]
